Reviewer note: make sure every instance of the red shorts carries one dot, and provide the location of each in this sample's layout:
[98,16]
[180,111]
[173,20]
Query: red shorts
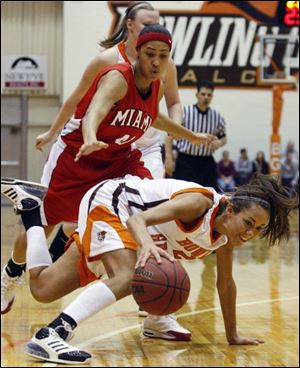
[68,181]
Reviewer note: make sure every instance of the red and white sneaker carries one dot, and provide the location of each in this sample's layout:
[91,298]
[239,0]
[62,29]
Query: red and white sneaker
[8,285]
[165,327]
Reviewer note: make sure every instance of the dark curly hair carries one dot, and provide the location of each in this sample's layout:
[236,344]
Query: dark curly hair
[267,192]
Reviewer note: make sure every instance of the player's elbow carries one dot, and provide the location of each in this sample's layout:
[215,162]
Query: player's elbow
[43,292]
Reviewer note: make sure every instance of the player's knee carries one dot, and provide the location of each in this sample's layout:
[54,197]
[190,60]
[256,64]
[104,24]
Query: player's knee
[41,293]
[124,284]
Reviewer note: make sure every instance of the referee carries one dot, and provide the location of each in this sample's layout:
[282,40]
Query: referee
[196,163]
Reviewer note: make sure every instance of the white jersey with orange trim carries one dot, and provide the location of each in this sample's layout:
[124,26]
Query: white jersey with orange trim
[150,143]
[172,236]
[106,207]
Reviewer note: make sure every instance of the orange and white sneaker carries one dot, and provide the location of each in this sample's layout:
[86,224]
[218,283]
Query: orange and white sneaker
[8,285]
[165,327]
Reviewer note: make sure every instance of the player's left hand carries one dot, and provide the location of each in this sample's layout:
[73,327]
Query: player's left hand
[151,250]
[245,341]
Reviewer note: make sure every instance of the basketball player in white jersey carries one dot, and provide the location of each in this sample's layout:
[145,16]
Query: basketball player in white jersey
[121,47]
[118,216]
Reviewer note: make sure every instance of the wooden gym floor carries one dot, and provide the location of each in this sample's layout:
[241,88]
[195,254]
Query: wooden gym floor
[267,307]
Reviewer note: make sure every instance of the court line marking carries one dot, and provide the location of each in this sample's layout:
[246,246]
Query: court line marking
[121,330]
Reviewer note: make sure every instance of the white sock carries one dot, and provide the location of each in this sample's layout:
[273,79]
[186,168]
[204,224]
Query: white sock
[95,298]
[37,248]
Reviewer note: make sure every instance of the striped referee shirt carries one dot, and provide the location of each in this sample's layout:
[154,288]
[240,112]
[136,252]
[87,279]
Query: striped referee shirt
[210,122]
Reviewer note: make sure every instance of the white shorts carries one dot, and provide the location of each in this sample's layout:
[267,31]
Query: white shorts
[153,162]
[108,234]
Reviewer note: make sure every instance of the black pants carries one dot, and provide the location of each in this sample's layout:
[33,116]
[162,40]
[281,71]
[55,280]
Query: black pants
[199,169]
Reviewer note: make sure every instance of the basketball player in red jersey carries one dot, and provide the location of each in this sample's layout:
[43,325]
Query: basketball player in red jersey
[121,47]
[118,108]
[118,216]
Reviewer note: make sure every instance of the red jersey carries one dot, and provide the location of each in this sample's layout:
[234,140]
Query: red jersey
[126,122]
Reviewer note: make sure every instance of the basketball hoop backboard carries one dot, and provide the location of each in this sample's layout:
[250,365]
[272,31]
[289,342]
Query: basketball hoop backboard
[279,59]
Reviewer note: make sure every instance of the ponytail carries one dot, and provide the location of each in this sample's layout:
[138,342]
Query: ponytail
[121,32]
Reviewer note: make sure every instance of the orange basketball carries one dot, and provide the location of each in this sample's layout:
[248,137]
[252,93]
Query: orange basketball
[161,289]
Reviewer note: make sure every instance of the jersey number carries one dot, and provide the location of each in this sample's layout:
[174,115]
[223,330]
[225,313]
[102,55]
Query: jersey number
[125,139]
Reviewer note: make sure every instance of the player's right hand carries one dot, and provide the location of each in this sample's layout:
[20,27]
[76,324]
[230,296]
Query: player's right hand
[151,250]
[88,148]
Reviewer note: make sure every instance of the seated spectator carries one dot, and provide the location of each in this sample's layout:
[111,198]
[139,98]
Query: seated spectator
[243,168]
[289,170]
[226,173]
[260,164]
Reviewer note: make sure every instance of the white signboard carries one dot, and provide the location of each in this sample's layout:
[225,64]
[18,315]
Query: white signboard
[27,72]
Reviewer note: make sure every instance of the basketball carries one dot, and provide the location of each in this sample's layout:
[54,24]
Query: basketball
[160,289]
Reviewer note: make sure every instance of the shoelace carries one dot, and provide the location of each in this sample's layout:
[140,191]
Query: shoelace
[66,330]
[58,344]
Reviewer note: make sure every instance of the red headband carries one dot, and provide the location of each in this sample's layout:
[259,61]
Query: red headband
[154,36]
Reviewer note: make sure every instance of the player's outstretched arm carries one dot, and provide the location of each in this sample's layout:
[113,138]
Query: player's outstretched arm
[178,131]
[227,294]
[112,87]
[68,108]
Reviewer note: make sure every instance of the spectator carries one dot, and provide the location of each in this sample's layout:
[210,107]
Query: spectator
[260,164]
[226,173]
[290,148]
[196,163]
[243,168]
[289,170]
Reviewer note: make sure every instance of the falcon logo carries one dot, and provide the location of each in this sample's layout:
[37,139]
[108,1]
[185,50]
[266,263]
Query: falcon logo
[101,235]
[219,40]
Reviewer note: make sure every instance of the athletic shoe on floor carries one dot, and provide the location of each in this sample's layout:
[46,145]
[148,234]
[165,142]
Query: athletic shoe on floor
[165,327]
[47,345]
